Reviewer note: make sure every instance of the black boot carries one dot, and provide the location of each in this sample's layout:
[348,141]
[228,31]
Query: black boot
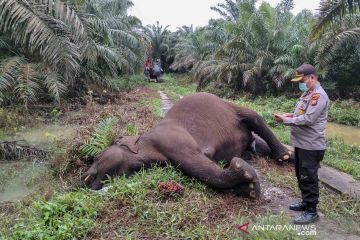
[309,216]
[301,206]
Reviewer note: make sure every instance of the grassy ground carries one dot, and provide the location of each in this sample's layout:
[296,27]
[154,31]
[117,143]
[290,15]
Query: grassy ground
[176,86]
[134,208]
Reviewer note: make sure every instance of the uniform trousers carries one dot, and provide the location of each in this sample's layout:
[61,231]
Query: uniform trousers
[307,163]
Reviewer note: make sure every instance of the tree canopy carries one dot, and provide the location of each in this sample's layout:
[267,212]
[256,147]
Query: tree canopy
[50,47]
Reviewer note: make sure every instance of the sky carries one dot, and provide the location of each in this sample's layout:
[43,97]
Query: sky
[177,13]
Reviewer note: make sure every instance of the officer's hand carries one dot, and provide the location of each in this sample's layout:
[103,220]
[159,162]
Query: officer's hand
[288,115]
[278,118]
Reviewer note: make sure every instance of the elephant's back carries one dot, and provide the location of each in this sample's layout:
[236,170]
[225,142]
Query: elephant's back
[211,121]
[203,107]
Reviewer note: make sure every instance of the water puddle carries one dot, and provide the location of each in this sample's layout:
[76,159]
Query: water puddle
[18,178]
[43,136]
[350,135]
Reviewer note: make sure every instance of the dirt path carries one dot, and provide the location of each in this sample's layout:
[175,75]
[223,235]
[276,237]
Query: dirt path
[166,103]
[278,199]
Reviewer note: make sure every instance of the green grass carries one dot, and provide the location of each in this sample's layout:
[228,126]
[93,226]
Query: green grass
[268,104]
[340,208]
[155,105]
[64,216]
[344,157]
[343,112]
[133,208]
[176,86]
[130,82]
[185,218]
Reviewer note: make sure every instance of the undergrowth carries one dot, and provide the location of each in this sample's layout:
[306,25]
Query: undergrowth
[133,208]
[100,139]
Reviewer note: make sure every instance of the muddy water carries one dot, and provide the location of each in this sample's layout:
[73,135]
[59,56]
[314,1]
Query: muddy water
[350,135]
[43,136]
[19,178]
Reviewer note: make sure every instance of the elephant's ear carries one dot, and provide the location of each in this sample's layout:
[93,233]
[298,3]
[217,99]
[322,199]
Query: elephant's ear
[130,142]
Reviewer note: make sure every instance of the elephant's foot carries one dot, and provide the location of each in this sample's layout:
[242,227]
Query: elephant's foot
[251,190]
[243,171]
[249,185]
[282,154]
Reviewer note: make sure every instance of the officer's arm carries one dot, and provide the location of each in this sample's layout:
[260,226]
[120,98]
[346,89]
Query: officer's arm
[312,113]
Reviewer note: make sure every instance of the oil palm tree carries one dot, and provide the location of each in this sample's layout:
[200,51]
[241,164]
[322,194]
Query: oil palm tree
[197,46]
[331,11]
[228,10]
[336,34]
[341,41]
[160,39]
[60,42]
[189,51]
[296,49]
[247,55]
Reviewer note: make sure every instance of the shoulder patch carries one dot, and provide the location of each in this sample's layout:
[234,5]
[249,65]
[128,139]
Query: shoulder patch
[315,96]
[314,99]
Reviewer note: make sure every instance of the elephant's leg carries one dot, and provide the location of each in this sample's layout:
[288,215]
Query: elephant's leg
[239,175]
[259,146]
[257,125]
[181,149]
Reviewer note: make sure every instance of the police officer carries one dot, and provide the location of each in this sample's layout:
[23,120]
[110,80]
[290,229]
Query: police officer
[308,138]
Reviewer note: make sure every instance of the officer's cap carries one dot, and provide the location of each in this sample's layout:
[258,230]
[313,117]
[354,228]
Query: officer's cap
[303,70]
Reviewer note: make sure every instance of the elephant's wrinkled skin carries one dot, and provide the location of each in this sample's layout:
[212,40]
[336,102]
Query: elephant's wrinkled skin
[199,131]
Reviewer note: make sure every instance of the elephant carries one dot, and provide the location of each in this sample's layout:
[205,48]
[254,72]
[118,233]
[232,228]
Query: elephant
[197,133]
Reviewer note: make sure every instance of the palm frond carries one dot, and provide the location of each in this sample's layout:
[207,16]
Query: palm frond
[40,33]
[331,11]
[228,10]
[10,68]
[54,83]
[332,44]
[27,84]
[100,139]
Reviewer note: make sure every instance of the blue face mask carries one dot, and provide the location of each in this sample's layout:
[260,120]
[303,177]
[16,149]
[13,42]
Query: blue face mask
[303,87]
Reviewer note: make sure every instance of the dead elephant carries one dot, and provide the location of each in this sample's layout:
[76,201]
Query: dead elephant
[198,131]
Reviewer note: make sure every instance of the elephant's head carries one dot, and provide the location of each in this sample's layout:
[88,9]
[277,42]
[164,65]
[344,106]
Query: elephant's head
[114,161]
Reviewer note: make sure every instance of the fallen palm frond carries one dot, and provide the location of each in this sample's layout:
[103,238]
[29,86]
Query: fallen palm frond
[100,139]
[12,150]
